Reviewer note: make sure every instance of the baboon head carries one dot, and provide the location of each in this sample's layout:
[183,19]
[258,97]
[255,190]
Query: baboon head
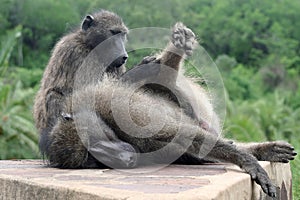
[102,144]
[109,27]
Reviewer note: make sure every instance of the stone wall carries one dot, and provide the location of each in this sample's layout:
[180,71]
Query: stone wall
[33,180]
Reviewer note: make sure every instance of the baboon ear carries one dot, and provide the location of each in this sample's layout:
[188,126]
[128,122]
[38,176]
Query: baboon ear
[87,22]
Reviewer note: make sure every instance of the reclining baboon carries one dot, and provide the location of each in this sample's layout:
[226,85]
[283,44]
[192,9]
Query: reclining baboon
[113,123]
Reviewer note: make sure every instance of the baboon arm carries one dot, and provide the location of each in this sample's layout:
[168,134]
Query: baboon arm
[54,105]
[224,151]
[172,57]
[48,116]
[209,147]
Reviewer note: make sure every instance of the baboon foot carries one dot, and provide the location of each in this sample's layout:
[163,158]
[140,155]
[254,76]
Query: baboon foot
[277,151]
[183,38]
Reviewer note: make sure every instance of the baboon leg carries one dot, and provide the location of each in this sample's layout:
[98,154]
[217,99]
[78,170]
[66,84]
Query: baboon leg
[277,151]
[54,104]
[181,44]
[65,149]
[208,147]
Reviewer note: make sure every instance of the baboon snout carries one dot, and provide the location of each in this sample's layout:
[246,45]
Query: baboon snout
[124,57]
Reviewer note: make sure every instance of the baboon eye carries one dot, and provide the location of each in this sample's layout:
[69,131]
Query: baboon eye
[115,32]
[66,116]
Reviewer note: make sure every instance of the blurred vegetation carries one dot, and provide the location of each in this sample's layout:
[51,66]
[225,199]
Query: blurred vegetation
[254,43]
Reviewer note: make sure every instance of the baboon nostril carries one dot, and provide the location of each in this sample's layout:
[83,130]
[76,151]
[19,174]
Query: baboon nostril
[125,58]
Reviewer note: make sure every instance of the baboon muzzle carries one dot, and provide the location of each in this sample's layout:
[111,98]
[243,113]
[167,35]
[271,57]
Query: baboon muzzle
[114,154]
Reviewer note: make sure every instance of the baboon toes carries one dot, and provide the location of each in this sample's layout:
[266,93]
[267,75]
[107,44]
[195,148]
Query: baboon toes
[183,38]
[277,151]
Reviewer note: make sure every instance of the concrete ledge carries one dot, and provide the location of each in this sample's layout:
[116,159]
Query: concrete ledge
[32,179]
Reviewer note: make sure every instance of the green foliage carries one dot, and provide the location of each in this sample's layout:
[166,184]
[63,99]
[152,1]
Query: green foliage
[248,31]
[7,44]
[18,138]
[269,118]
[242,83]
[225,63]
[29,78]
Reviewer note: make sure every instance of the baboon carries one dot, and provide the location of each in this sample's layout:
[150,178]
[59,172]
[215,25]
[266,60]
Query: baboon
[95,125]
[68,55]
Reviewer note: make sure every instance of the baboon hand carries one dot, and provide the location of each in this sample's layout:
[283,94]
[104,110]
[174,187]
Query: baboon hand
[277,151]
[183,38]
[259,175]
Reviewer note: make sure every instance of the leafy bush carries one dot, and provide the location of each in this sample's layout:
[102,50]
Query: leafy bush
[8,41]
[18,138]
[270,118]
[30,78]
[243,83]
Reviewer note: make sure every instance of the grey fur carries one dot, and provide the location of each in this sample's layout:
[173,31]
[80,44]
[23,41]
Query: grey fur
[57,83]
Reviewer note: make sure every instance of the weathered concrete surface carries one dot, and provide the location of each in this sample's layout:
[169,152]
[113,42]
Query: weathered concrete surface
[33,180]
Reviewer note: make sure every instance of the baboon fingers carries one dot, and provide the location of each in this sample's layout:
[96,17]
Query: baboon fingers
[260,177]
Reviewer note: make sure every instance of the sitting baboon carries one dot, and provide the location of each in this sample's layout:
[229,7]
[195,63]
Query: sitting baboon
[108,122]
[67,57]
